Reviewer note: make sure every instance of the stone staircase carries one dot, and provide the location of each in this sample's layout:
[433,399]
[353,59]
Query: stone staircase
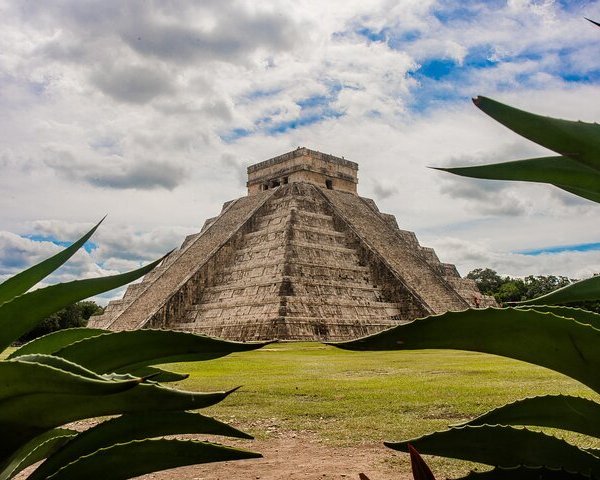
[415,265]
[294,277]
[297,262]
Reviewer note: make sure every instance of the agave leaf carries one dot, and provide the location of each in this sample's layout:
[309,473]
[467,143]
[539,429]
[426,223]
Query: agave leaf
[159,375]
[420,469]
[582,193]
[27,416]
[21,378]
[21,314]
[592,21]
[67,366]
[578,314]
[130,350]
[577,140]
[563,172]
[133,427]
[35,450]
[588,289]
[525,473]
[150,456]
[593,451]
[558,343]
[54,341]
[575,414]
[504,446]
[26,279]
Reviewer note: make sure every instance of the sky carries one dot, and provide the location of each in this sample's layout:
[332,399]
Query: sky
[150,112]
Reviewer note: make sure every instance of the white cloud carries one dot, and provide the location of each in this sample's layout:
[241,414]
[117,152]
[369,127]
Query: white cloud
[122,108]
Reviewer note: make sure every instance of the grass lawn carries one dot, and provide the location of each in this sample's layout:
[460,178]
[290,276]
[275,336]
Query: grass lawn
[348,398]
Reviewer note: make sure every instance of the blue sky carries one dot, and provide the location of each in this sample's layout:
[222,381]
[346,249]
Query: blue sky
[152,112]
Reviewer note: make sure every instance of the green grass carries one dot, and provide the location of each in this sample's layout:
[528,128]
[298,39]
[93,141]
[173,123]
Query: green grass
[349,398]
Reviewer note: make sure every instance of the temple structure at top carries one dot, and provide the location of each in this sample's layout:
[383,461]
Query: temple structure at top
[303,166]
[301,257]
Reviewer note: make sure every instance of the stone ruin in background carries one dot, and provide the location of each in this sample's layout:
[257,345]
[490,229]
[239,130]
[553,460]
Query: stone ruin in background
[301,257]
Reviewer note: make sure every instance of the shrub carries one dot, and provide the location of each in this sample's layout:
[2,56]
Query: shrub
[538,331]
[83,373]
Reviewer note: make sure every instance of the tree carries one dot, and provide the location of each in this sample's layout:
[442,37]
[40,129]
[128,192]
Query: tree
[73,316]
[488,281]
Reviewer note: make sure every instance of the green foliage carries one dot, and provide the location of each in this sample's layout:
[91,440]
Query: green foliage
[72,316]
[80,373]
[560,338]
[488,281]
[508,289]
[576,170]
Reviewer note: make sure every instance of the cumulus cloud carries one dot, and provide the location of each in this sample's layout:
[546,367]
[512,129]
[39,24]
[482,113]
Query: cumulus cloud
[115,172]
[131,83]
[479,254]
[152,112]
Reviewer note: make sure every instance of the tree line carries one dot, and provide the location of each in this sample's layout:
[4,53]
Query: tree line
[512,289]
[76,315]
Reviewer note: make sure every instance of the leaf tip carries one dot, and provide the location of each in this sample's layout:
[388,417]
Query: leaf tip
[229,392]
[420,469]
[592,21]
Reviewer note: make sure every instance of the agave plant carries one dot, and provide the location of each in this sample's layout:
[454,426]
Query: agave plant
[538,331]
[84,373]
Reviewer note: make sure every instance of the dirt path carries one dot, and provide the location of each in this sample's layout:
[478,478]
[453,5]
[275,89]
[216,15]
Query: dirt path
[298,457]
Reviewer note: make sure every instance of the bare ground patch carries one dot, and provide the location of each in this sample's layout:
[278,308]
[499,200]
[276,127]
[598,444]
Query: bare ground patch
[292,456]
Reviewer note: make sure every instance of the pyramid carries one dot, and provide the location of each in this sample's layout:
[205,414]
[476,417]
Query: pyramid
[301,257]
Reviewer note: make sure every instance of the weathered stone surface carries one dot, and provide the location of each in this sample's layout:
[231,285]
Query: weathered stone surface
[295,261]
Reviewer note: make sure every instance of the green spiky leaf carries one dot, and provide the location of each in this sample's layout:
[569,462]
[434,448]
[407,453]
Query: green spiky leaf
[504,446]
[150,456]
[159,375]
[558,343]
[70,367]
[28,416]
[525,473]
[23,313]
[23,281]
[54,341]
[578,314]
[133,427]
[565,412]
[577,140]
[127,351]
[21,378]
[35,450]
[562,172]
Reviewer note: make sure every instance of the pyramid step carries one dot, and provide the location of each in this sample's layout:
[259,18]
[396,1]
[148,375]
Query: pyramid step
[257,263]
[327,329]
[273,244]
[251,311]
[347,312]
[271,221]
[264,232]
[314,220]
[407,263]
[339,301]
[259,238]
[259,253]
[326,248]
[291,300]
[330,255]
[322,231]
[297,285]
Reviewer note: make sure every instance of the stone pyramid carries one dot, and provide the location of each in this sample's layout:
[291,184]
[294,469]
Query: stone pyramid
[301,257]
